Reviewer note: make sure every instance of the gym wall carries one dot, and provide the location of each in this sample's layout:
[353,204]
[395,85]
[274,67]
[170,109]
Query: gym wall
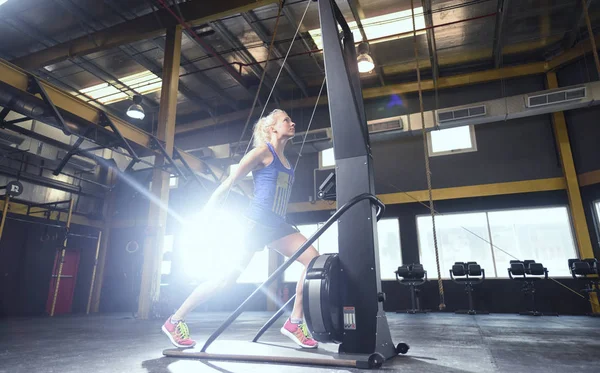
[26,264]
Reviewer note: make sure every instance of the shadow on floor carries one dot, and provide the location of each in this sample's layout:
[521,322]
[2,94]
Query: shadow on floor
[413,363]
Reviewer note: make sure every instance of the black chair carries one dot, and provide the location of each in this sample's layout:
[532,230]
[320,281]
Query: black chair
[413,275]
[469,274]
[588,272]
[528,272]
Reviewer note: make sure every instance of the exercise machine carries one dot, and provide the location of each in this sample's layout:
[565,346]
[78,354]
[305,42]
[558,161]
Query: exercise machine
[587,271]
[529,272]
[343,300]
[413,275]
[468,274]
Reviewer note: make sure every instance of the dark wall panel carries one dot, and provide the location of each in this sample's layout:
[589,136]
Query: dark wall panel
[521,149]
[27,253]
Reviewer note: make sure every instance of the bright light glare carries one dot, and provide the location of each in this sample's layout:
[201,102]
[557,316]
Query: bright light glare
[211,244]
[365,63]
[3,1]
[381,26]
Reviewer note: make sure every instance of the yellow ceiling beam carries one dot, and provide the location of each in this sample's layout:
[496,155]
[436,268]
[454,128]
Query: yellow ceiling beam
[17,78]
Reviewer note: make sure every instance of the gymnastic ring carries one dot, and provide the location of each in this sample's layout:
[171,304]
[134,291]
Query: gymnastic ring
[132,247]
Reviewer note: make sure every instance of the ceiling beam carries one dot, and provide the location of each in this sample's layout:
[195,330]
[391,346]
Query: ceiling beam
[18,78]
[264,36]
[428,16]
[394,89]
[82,62]
[499,31]
[308,43]
[244,54]
[571,35]
[142,28]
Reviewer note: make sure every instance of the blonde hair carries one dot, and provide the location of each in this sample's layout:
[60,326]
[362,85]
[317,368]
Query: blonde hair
[262,133]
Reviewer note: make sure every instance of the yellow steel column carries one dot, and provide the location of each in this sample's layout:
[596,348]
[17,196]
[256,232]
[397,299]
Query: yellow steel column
[89,304]
[107,211]
[157,215]
[62,258]
[4,212]
[582,234]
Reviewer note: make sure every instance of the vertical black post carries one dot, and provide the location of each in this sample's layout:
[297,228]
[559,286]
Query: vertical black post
[357,229]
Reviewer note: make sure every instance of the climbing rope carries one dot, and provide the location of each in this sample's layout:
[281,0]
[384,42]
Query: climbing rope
[442,305]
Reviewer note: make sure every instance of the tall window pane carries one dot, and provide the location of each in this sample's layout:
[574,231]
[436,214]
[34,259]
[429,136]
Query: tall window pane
[543,235]
[459,239]
[390,257]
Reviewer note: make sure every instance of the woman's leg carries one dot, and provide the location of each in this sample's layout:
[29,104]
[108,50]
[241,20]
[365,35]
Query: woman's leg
[207,289]
[175,327]
[287,246]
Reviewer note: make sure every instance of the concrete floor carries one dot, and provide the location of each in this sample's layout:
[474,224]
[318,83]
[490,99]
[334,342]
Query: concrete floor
[439,343]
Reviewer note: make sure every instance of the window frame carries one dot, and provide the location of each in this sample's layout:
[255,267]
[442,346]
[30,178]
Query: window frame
[321,167]
[473,147]
[487,211]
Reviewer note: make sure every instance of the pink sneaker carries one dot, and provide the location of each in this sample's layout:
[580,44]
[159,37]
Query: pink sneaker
[178,333]
[298,333]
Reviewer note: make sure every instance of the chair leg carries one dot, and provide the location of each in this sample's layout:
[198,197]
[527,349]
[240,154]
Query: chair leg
[471,310]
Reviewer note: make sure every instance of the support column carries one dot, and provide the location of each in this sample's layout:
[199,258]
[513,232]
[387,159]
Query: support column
[582,234]
[157,215]
[107,212]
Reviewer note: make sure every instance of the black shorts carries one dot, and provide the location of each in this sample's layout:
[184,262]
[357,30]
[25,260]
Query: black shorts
[257,235]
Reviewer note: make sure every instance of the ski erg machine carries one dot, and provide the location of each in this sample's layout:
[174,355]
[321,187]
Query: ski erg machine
[343,301]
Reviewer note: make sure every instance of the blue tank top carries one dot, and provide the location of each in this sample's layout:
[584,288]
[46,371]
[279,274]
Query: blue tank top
[272,188]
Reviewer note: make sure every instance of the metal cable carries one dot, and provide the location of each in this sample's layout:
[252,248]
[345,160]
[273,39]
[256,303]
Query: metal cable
[310,122]
[442,304]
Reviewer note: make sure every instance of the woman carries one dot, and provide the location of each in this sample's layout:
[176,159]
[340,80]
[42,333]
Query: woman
[266,225]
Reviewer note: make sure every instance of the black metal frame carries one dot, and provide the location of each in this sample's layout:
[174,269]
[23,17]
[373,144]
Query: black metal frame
[34,87]
[155,143]
[468,281]
[357,232]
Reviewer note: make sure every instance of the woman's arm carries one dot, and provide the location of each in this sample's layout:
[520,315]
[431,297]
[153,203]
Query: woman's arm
[249,162]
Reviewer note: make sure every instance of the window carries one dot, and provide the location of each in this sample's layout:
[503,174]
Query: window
[326,158]
[451,141]
[542,234]
[142,83]
[388,233]
[456,243]
[173,181]
[390,251]
[381,26]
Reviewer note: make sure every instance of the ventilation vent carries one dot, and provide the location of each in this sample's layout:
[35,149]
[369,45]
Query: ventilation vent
[556,97]
[311,136]
[458,114]
[384,125]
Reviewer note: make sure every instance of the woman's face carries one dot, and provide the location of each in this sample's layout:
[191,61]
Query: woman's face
[283,127]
